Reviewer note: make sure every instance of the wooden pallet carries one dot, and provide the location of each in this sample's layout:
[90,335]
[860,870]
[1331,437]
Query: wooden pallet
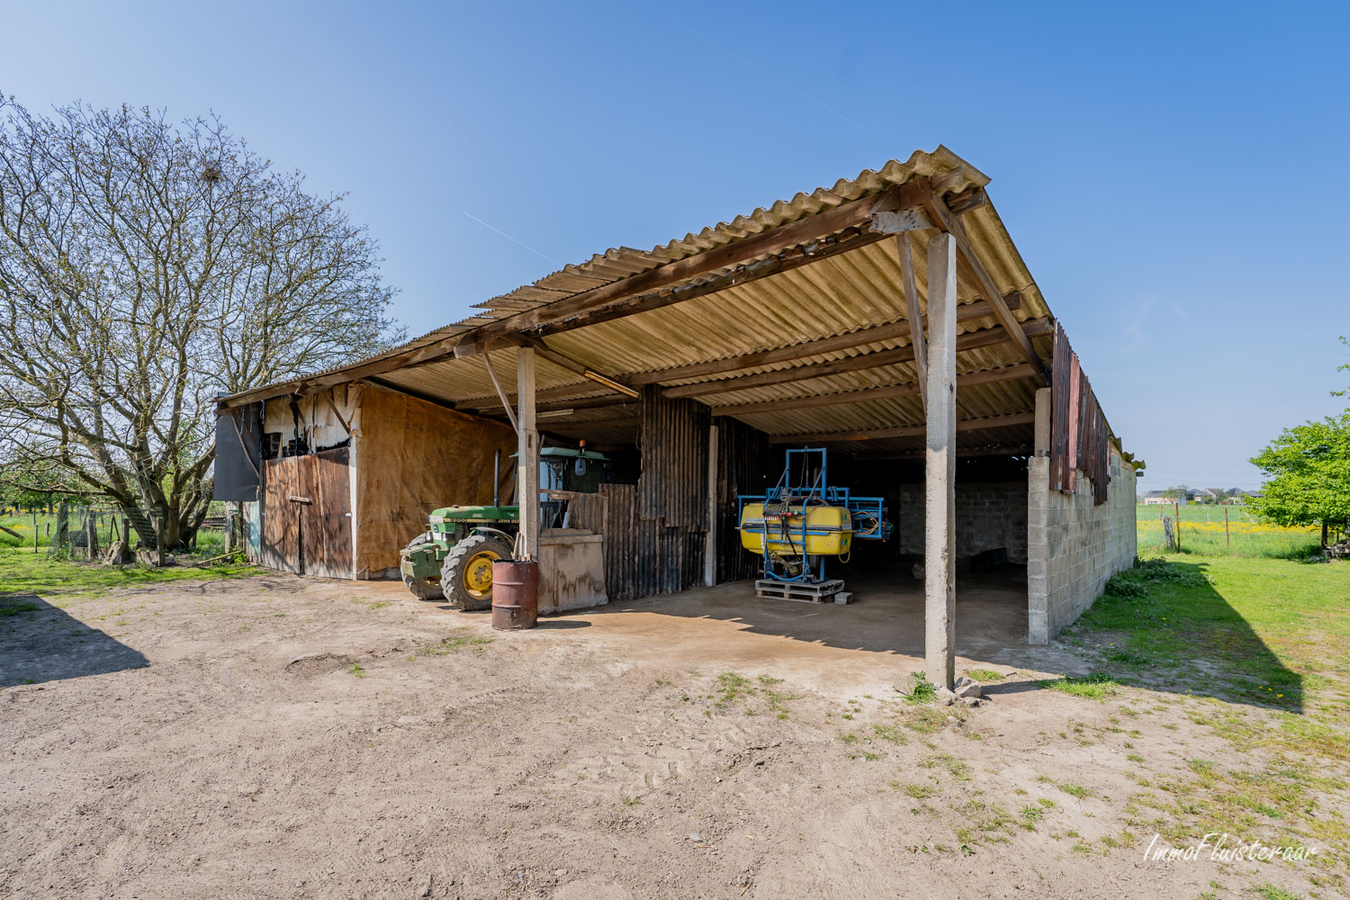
[825,592]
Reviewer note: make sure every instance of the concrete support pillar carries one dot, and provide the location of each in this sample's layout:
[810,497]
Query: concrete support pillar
[940,466]
[527,458]
[1038,526]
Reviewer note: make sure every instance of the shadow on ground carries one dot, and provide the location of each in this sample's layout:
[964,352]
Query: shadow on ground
[1183,636]
[39,643]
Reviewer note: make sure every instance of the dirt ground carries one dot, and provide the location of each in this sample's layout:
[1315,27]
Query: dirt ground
[275,737]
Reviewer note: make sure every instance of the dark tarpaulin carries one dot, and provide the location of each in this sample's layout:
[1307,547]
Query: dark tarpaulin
[238,464]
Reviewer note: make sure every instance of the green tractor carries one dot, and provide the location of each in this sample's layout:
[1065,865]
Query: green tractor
[453,558]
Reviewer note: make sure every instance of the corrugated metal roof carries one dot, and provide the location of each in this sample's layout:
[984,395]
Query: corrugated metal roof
[841,294]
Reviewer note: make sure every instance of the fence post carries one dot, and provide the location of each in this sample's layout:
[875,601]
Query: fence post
[1227,538]
[91,536]
[62,529]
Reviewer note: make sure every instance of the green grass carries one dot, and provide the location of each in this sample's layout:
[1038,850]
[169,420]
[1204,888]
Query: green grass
[985,676]
[210,542]
[458,641]
[1097,686]
[1204,531]
[1274,632]
[25,572]
[1255,652]
[10,606]
[1269,891]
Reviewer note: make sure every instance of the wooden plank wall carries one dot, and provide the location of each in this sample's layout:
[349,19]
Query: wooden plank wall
[412,457]
[1078,437]
[327,529]
[314,537]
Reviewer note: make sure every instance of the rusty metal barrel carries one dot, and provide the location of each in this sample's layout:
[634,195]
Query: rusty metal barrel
[515,594]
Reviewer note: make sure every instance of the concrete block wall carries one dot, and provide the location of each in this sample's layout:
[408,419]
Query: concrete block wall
[1073,545]
[988,516]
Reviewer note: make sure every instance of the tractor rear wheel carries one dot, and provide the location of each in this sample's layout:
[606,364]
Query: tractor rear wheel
[466,574]
[422,588]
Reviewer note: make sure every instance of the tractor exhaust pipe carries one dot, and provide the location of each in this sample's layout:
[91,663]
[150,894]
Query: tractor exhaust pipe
[496,477]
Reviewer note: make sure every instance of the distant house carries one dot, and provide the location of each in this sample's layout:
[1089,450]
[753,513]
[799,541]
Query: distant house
[1204,495]
[1161,498]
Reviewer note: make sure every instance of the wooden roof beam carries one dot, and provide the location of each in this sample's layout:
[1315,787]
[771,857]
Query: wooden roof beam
[961,452]
[859,338]
[561,359]
[904,431]
[491,408]
[890,392]
[942,217]
[969,341]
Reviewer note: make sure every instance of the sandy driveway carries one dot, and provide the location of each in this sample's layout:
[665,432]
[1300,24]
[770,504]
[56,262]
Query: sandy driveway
[277,737]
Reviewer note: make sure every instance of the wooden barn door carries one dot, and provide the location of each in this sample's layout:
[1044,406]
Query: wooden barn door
[326,522]
[306,523]
[283,480]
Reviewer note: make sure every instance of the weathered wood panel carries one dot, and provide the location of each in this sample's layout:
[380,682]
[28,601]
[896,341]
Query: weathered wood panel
[611,514]
[1078,436]
[281,516]
[305,526]
[326,526]
[412,457]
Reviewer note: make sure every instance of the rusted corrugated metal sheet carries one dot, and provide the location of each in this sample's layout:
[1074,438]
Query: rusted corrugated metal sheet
[743,456]
[1079,440]
[643,556]
[674,444]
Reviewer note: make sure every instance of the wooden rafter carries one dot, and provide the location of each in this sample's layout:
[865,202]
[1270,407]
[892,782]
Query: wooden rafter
[969,341]
[889,392]
[564,361]
[860,338]
[961,452]
[946,220]
[904,431]
[917,339]
[488,407]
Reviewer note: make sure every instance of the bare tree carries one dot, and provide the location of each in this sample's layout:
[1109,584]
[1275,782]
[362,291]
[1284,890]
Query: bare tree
[145,268]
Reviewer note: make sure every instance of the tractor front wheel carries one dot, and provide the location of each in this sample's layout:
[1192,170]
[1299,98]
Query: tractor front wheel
[422,588]
[466,574]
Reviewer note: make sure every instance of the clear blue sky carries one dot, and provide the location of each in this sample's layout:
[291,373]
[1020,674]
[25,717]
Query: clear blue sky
[1175,175]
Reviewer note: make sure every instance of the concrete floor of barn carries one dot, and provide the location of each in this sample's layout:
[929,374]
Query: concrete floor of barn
[865,645]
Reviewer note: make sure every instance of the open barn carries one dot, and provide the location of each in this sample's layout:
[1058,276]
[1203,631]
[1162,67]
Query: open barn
[888,319]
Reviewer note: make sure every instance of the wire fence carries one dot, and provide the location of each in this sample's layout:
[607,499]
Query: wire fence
[71,533]
[1222,530]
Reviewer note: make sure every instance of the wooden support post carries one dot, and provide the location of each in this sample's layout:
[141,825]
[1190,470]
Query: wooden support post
[940,464]
[916,338]
[506,400]
[527,458]
[1043,409]
[710,540]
